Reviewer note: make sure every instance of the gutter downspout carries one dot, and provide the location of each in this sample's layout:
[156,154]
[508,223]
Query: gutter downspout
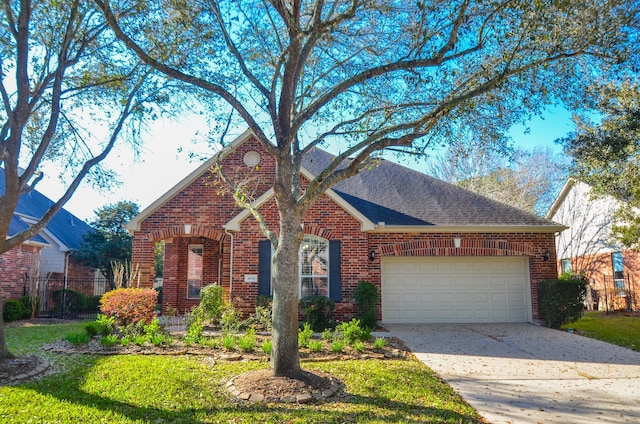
[64,283]
[230,234]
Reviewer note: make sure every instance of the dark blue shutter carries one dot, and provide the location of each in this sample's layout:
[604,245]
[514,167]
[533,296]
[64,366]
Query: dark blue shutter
[264,268]
[335,272]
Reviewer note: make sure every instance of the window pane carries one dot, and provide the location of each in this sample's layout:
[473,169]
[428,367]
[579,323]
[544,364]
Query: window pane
[314,286]
[194,270]
[566,265]
[314,267]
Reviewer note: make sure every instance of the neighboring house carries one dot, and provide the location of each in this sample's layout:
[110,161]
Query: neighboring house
[437,253]
[586,247]
[47,257]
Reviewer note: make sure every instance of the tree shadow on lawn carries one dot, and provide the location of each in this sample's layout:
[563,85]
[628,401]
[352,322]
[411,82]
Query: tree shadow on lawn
[67,386]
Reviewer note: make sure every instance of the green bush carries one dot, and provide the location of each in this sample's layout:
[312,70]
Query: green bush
[352,331]
[264,301]
[13,310]
[304,335]
[366,297]
[561,301]
[102,326]
[318,312]
[93,303]
[212,302]
[78,338]
[74,301]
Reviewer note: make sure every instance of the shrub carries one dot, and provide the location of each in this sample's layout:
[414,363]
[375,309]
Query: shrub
[13,310]
[230,320]
[102,326]
[195,331]
[358,346]
[247,342]
[212,302]
[379,343]
[129,305]
[267,346]
[318,312]
[92,303]
[337,346]
[264,301]
[78,337]
[315,345]
[352,331]
[561,301]
[109,340]
[304,335]
[366,297]
[262,318]
[74,301]
[229,342]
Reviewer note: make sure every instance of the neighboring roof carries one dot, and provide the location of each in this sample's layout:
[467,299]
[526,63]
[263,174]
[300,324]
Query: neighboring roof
[561,197]
[16,225]
[391,197]
[65,227]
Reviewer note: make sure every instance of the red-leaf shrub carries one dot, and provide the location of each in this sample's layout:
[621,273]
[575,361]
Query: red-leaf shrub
[129,305]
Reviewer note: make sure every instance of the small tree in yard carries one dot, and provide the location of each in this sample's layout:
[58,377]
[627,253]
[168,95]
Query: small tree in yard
[61,70]
[365,77]
[110,242]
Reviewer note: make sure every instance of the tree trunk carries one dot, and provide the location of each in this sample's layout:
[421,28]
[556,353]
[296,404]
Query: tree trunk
[284,354]
[4,351]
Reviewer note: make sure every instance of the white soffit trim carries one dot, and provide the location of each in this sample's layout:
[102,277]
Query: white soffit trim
[365,223]
[134,224]
[44,233]
[468,229]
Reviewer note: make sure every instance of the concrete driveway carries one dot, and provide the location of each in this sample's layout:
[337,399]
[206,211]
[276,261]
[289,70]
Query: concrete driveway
[523,373]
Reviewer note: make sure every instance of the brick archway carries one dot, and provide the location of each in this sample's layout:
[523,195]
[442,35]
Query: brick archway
[186,230]
[468,247]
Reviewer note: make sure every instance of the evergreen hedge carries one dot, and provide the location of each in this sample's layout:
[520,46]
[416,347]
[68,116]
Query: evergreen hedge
[561,301]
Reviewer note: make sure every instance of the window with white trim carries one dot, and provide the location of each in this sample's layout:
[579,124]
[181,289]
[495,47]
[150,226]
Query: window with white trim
[195,264]
[565,265]
[618,272]
[314,267]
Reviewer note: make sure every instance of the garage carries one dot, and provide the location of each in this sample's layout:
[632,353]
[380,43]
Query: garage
[455,289]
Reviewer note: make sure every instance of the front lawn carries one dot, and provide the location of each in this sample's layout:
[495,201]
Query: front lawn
[191,389]
[621,330]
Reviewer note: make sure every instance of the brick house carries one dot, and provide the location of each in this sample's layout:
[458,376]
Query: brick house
[586,248]
[437,252]
[48,255]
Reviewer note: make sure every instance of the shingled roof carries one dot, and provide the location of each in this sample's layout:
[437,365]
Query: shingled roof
[399,196]
[68,229]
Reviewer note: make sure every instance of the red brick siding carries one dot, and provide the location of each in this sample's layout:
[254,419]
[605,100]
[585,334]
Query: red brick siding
[596,267]
[14,266]
[206,208]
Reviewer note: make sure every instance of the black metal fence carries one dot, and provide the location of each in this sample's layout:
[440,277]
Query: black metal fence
[67,298]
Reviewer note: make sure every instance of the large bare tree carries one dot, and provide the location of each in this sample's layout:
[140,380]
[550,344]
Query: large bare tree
[525,179]
[68,89]
[364,76]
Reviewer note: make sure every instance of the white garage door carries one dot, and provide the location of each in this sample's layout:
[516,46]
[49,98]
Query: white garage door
[455,290]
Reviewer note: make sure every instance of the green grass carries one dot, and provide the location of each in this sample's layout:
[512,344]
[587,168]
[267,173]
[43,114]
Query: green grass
[616,329]
[185,389]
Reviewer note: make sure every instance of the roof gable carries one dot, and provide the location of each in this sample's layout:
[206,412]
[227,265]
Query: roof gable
[389,197]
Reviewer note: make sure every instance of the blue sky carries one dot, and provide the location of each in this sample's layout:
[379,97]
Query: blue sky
[161,165]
